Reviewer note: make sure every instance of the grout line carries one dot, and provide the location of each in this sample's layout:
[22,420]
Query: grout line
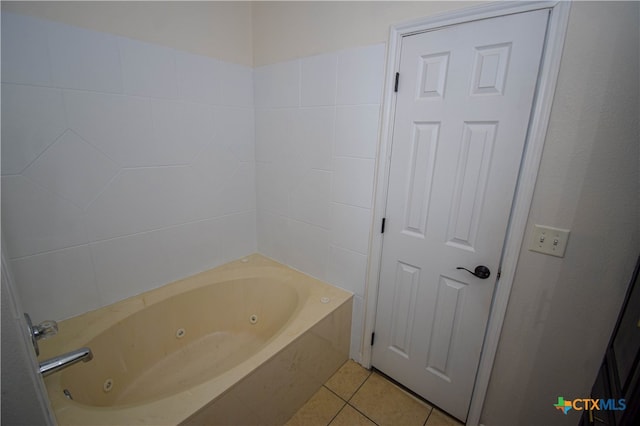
[346,402]
[55,140]
[53,192]
[138,96]
[360,387]
[339,411]
[351,205]
[148,231]
[353,157]
[427,419]
[350,398]
[118,40]
[369,418]
[329,389]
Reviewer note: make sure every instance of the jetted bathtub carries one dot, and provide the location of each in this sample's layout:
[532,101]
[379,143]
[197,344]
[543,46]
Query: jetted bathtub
[245,343]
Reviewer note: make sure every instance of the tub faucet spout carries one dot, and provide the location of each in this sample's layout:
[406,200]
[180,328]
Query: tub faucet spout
[60,362]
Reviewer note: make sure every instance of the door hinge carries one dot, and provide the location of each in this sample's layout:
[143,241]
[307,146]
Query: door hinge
[384,219]
[395,89]
[373,337]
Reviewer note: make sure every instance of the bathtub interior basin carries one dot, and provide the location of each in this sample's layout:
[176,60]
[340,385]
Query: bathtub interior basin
[164,356]
[182,341]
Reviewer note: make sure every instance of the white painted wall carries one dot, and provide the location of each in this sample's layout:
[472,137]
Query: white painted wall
[562,311]
[125,165]
[218,29]
[243,32]
[288,30]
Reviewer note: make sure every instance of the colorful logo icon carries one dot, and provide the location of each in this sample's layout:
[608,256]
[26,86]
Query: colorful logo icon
[563,405]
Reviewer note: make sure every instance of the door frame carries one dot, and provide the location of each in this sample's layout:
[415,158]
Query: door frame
[539,120]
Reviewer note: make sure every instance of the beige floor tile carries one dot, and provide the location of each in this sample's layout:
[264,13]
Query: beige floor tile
[319,410]
[346,381]
[349,416]
[438,418]
[386,404]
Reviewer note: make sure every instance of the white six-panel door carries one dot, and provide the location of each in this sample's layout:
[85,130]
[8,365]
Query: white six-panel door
[462,110]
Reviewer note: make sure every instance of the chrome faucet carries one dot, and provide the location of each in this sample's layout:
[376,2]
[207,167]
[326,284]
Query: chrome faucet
[60,362]
[45,330]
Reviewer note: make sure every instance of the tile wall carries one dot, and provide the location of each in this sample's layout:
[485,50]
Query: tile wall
[125,165]
[317,122]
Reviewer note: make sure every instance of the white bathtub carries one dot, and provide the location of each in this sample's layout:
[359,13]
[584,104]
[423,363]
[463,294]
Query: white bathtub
[245,343]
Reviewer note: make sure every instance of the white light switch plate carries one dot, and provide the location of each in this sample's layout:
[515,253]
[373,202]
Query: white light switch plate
[548,240]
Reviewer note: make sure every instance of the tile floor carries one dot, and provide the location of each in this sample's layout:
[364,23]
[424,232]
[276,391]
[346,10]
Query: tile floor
[355,396]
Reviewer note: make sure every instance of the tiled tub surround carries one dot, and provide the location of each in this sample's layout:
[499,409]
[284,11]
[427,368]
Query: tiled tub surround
[317,122]
[125,165]
[245,343]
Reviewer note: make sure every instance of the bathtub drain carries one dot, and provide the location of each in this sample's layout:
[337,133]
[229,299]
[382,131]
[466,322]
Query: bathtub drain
[180,333]
[67,394]
[253,319]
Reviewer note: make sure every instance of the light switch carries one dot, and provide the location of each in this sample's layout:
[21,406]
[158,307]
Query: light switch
[548,240]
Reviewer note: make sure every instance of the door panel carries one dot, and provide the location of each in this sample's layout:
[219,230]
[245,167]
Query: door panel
[462,111]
